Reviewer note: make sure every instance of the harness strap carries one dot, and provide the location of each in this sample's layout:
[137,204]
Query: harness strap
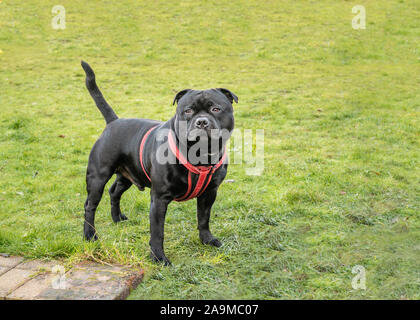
[185,196]
[205,173]
[143,141]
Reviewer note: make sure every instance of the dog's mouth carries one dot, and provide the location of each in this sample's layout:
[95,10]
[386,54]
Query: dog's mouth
[206,150]
[196,135]
[207,132]
[204,146]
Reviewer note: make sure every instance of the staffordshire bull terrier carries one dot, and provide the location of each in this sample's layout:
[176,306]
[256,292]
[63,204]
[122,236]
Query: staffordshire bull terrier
[137,151]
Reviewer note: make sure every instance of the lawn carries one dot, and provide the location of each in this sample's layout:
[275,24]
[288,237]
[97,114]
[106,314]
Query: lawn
[340,113]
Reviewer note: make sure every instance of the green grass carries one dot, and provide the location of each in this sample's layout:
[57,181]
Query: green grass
[340,109]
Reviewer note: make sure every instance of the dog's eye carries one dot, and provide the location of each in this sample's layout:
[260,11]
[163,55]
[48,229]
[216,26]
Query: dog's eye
[189,111]
[215,109]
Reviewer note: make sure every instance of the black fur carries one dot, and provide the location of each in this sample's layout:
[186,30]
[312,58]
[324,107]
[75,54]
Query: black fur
[117,152]
[97,96]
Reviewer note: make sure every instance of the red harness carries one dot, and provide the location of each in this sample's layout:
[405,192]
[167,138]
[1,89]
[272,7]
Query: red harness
[205,173]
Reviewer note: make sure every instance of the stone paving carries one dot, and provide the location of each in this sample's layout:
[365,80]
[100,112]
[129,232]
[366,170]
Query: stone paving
[39,280]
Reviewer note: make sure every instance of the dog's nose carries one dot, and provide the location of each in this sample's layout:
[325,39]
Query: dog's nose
[201,123]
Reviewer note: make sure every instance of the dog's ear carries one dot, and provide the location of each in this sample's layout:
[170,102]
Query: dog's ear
[179,95]
[230,95]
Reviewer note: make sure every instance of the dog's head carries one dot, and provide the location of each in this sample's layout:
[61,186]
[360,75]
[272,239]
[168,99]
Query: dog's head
[206,114]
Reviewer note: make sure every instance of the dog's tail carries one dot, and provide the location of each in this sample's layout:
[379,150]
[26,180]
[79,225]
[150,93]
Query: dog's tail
[97,96]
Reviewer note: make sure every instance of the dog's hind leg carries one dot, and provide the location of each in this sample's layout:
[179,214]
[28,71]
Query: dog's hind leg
[120,185]
[95,183]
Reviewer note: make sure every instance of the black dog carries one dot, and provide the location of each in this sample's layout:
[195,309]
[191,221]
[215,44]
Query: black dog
[130,149]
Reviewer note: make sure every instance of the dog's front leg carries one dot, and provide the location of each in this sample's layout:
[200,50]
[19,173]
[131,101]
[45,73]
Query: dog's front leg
[158,207]
[204,204]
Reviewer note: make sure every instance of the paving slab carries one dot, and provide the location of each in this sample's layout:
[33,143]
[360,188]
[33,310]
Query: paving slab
[12,279]
[37,265]
[40,280]
[10,262]
[32,288]
[4,270]
[94,283]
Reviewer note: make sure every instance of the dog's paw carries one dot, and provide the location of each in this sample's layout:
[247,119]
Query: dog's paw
[90,236]
[212,242]
[89,232]
[160,259]
[215,242]
[120,217]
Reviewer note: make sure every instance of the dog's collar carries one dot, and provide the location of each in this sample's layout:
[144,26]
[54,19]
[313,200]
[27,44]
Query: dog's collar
[205,172]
